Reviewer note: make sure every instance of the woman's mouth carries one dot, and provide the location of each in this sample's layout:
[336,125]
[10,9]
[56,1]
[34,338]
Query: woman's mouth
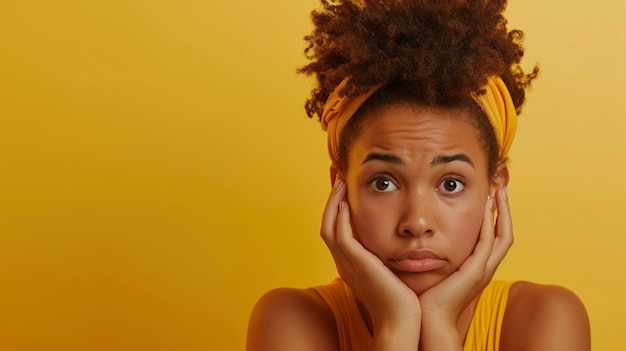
[417,260]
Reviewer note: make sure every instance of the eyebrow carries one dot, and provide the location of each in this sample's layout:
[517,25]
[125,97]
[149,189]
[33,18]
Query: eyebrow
[383,157]
[439,160]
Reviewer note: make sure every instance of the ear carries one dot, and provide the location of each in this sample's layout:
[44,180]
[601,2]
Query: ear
[333,175]
[499,180]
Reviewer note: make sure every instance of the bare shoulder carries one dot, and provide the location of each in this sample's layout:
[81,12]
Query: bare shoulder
[291,319]
[544,317]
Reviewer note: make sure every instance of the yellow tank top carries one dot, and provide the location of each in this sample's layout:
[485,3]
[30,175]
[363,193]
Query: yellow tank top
[483,333]
[486,325]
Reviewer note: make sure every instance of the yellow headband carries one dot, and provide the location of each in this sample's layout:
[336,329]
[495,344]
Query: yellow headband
[496,103]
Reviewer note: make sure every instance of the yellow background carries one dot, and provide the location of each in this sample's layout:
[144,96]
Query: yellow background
[158,173]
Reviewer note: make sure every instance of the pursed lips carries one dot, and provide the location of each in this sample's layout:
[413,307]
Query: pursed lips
[417,260]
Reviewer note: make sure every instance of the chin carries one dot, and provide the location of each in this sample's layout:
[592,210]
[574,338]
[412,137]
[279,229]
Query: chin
[420,282]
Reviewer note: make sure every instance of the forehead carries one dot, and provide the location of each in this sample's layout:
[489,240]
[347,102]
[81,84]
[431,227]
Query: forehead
[417,131]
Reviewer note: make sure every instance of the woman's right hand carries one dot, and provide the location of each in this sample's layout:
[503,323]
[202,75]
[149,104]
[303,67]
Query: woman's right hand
[393,307]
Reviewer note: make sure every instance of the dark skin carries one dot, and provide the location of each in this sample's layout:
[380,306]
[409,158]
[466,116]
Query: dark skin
[401,312]
[414,193]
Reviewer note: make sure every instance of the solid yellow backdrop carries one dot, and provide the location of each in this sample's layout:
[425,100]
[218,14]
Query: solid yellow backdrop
[158,173]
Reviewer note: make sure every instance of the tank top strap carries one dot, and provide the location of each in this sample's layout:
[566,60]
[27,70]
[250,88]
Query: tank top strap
[486,325]
[353,333]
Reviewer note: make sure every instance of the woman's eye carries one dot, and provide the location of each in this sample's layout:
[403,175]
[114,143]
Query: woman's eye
[382,185]
[451,186]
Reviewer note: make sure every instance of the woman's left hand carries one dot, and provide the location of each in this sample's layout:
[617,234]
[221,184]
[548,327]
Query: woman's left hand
[443,304]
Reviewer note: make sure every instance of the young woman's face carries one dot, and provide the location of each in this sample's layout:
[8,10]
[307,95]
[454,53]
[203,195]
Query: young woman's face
[418,183]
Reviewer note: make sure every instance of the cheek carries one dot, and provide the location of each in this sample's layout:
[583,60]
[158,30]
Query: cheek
[467,228]
[371,221]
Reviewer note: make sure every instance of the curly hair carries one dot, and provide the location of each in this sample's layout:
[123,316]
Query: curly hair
[443,49]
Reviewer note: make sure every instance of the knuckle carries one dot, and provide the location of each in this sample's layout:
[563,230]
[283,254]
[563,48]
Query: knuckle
[479,276]
[324,235]
[342,243]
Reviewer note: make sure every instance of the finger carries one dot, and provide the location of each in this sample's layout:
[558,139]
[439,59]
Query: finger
[329,217]
[329,224]
[503,227]
[353,254]
[486,237]
[344,234]
[475,265]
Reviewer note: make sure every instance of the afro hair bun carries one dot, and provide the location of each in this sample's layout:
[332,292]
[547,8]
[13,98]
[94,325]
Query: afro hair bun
[444,48]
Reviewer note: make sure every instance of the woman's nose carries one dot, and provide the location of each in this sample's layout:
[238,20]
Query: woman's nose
[417,216]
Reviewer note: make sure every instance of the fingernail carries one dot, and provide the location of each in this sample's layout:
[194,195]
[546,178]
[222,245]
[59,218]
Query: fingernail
[506,192]
[490,202]
[342,205]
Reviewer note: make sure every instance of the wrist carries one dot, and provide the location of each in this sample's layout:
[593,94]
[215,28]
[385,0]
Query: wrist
[440,335]
[397,336]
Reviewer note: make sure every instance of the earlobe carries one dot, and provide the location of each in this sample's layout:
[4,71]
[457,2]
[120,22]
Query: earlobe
[334,174]
[500,179]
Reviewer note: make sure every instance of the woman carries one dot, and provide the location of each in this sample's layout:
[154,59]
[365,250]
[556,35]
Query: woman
[420,101]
